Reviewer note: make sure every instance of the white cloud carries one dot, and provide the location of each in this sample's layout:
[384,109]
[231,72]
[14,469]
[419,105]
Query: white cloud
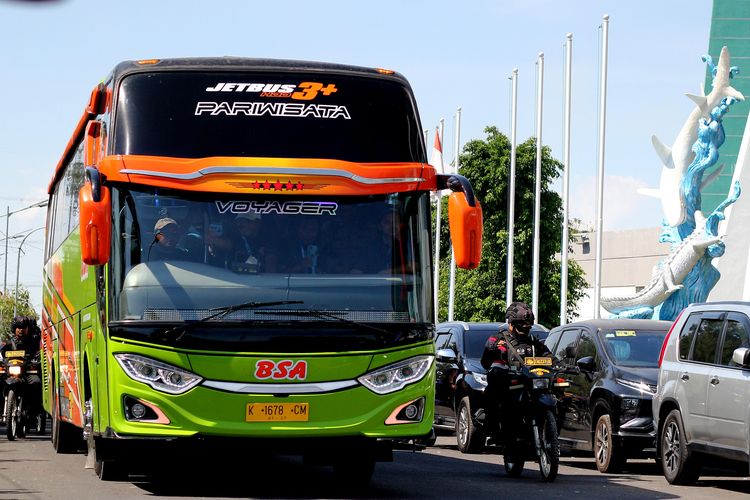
[624,207]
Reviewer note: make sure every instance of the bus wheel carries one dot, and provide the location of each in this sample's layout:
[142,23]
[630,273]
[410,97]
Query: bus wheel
[355,470]
[66,438]
[106,470]
[110,470]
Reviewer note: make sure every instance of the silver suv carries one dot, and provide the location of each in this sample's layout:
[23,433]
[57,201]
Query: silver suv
[702,404]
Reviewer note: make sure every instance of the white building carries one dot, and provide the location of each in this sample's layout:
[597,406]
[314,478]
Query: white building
[627,262]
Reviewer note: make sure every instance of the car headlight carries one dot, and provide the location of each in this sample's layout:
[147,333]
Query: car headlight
[394,377]
[160,376]
[638,386]
[481,378]
[541,383]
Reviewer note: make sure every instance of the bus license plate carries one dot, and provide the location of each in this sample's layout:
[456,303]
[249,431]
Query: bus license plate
[538,361]
[277,412]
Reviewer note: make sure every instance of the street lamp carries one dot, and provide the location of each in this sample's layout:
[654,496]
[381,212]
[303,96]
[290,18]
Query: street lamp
[7,215]
[18,267]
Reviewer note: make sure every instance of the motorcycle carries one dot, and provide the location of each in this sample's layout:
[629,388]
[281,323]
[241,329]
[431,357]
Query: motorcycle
[22,409]
[528,429]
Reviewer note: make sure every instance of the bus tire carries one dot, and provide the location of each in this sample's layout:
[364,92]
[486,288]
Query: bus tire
[107,470]
[355,471]
[66,438]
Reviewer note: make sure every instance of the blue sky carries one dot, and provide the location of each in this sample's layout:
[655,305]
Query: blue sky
[453,53]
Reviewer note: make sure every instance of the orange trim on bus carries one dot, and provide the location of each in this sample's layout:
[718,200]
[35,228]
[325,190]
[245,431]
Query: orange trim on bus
[99,100]
[269,175]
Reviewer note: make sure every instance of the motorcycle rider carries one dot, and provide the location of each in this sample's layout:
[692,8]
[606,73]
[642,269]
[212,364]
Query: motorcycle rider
[25,337]
[508,347]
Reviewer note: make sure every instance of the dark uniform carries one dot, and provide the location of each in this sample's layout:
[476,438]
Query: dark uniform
[498,357]
[27,340]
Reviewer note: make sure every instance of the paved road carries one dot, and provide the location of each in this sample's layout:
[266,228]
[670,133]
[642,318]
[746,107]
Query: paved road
[30,469]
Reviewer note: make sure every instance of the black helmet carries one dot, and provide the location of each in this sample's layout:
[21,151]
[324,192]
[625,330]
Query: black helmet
[519,312]
[18,322]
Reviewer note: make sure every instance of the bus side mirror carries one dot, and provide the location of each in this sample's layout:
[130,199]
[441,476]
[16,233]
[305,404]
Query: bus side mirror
[92,143]
[466,230]
[96,220]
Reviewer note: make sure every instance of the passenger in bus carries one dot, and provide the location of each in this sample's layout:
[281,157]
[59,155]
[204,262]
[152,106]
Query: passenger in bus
[248,251]
[165,244]
[384,254]
[306,253]
[205,244]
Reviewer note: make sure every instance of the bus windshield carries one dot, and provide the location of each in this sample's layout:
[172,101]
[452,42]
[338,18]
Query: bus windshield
[180,255]
[193,114]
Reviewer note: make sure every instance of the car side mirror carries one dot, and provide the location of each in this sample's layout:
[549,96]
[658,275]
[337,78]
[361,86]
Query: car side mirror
[586,364]
[446,356]
[741,357]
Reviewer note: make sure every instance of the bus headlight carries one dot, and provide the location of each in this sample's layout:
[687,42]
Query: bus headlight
[394,377]
[160,376]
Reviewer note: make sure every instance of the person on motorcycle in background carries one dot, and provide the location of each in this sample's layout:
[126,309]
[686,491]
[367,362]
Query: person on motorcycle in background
[25,337]
[498,356]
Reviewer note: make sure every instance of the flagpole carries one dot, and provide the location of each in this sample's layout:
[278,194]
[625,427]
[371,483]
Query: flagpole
[438,220]
[566,181]
[512,188]
[537,186]
[600,168]
[452,290]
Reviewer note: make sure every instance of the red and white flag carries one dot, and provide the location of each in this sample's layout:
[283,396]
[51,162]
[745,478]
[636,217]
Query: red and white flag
[436,160]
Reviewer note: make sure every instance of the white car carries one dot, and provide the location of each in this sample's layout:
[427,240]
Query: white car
[702,404]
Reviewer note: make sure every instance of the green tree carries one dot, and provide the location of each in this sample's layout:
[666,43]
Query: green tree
[480,293]
[24,308]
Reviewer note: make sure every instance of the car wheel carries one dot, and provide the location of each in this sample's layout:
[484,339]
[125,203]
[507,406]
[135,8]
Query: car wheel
[468,437]
[608,453]
[677,464]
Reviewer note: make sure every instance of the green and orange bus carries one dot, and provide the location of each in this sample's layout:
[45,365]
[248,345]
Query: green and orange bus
[321,346]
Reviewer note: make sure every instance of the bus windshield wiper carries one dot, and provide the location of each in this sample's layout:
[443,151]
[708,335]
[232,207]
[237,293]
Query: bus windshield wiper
[317,313]
[219,312]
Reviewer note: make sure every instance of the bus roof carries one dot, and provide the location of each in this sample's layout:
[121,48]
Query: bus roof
[231,63]
[247,63]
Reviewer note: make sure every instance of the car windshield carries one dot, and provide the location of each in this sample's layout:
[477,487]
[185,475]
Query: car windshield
[474,341]
[179,256]
[633,348]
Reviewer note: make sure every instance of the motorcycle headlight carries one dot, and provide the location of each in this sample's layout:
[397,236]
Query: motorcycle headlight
[14,369]
[481,378]
[541,383]
[160,376]
[394,377]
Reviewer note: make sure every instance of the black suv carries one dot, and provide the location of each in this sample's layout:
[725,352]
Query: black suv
[460,380]
[613,365]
